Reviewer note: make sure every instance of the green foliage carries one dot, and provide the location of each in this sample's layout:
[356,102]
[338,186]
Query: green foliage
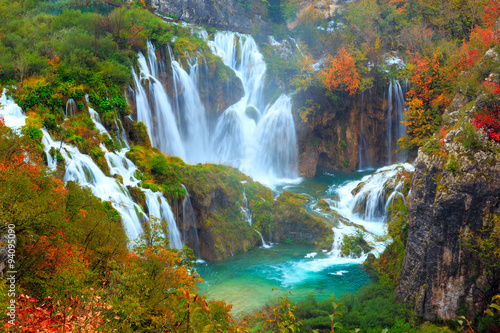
[391,260]
[484,244]
[452,164]
[469,137]
[355,245]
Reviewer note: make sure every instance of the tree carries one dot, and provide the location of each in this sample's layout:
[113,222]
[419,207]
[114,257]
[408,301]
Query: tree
[340,71]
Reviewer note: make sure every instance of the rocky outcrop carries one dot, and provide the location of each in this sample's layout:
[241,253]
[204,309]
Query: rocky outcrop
[335,129]
[450,197]
[220,228]
[221,14]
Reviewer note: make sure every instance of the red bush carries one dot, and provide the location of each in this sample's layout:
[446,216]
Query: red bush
[489,121]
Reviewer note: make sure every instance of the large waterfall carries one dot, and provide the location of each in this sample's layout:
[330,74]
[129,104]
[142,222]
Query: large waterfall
[256,137]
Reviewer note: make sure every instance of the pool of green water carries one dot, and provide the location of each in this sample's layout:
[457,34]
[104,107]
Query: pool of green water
[247,280]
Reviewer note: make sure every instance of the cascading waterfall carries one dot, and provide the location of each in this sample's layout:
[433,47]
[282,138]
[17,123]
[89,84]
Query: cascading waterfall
[158,207]
[190,109]
[262,144]
[156,112]
[364,202]
[258,139]
[82,169]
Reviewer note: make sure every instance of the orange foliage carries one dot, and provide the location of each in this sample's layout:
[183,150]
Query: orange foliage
[54,255]
[426,99]
[134,36]
[341,71]
[481,39]
[76,316]
[491,12]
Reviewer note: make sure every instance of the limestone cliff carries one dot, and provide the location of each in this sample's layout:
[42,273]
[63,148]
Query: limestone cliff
[342,134]
[221,14]
[455,192]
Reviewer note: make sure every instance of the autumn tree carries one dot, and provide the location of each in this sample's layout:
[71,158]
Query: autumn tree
[431,83]
[340,71]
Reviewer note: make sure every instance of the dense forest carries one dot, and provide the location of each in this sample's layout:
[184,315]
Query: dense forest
[74,267]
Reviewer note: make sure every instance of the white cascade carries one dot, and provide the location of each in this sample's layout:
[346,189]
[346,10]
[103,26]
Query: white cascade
[247,213]
[71,108]
[259,140]
[190,109]
[158,207]
[367,207]
[156,112]
[395,113]
[81,168]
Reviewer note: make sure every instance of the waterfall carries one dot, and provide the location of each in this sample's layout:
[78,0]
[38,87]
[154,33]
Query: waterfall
[11,113]
[256,137]
[189,222]
[389,124]
[395,113]
[156,112]
[260,140]
[362,206]
[82,169]
[158,207]
[194,122]
[71,108]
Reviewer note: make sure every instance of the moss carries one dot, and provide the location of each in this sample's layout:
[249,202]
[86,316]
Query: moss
[139,197]
[252,113]
[225,186]
[323,205]
[354,246]
[452,164]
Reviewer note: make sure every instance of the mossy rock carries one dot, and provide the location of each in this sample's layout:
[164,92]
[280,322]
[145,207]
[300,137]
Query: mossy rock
[139,197]
[252,113]
[323,206]
[354,246]
[358,188]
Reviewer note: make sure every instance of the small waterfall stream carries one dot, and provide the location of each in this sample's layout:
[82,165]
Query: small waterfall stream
[395,113]
[247,213]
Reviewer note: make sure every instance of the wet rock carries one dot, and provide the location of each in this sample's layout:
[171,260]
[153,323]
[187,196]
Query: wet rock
[323,206]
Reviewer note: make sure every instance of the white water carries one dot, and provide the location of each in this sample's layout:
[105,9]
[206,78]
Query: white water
[11,113]
[247,213]
[71,108]
[395,113]
[81,168]
[261,144]
[375,198]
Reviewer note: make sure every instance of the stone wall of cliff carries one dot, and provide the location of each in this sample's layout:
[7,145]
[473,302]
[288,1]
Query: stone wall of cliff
[455,192]
[221,14]
[333,132]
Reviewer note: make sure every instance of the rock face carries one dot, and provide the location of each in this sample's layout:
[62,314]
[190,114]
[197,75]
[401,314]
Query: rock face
[341,134]
[221,14]
[440,273]
[217,235]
